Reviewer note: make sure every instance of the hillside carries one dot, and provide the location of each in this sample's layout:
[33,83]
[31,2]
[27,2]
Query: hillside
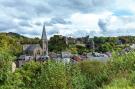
[75,45]
[12,42]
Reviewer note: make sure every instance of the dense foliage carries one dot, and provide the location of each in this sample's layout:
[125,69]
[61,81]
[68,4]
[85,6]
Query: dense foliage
[81,45]
[57,44]
[118,73]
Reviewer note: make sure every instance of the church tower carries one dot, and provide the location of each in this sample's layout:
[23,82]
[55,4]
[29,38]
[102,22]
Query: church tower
[44,42]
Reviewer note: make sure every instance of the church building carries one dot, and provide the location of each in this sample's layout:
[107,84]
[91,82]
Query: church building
[37,52]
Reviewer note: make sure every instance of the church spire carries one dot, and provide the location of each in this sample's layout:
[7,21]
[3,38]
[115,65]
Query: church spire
[44,36]
[44,42]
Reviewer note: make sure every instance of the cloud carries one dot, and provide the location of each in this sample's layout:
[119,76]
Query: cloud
[7,24]
[84,6]
[38,23]
[58,20]
[52,32]
[76,17]
[25,24]
[102,24]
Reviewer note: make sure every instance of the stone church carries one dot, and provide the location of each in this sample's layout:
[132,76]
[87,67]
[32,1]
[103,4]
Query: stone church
[35,51]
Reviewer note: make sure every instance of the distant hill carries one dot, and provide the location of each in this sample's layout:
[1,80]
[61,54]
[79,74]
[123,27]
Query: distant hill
[12,34]
[15,35]
[20,38]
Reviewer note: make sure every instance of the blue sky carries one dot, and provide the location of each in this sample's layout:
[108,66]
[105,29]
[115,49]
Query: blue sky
[68,17]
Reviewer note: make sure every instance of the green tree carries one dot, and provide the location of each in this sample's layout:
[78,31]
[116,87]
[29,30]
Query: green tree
[105,48]
[57,43]
[5,69]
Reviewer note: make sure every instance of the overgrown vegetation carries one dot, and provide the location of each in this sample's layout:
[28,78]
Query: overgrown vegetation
[117,73]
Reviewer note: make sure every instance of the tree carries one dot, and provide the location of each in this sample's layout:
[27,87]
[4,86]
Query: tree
[81,49]
[105,48]
[5,69]
[57,44]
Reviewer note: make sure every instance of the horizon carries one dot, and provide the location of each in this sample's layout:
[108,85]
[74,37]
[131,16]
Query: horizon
[67,36]
[74,18]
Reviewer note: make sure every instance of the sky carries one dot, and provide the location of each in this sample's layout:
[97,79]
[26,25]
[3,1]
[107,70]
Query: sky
[74,18]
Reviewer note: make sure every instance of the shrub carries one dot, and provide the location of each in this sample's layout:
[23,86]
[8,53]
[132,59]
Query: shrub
[122,66]
[119,84]
[95,72]
[60,76]
[5,69]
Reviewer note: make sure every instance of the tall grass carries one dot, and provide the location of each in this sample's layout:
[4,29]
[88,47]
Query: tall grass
[121,69]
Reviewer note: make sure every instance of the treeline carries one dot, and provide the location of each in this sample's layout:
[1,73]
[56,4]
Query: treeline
[85,44]
[59,43]
[105,44]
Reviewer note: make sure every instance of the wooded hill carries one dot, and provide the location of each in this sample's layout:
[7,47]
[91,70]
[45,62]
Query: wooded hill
[13,43]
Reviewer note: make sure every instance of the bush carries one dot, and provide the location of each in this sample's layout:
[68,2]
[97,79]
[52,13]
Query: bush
[119,84]
[60,76]
[121,71]
[29,74]
[95,73]
[5,69]
[48,75]
[122,66]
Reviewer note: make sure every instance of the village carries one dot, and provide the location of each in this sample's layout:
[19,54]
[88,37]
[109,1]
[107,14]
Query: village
[36,52]
[67,44]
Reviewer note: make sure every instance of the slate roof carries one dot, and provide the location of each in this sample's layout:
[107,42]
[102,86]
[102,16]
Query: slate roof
[32,47]
[66,54]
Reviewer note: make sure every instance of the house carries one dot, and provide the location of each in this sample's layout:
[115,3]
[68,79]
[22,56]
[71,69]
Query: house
[98,56]
[109,54]
[119,42]
[66,54]
[83,57]
[53,55]
[132,46]
[65,57]
[75,59]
